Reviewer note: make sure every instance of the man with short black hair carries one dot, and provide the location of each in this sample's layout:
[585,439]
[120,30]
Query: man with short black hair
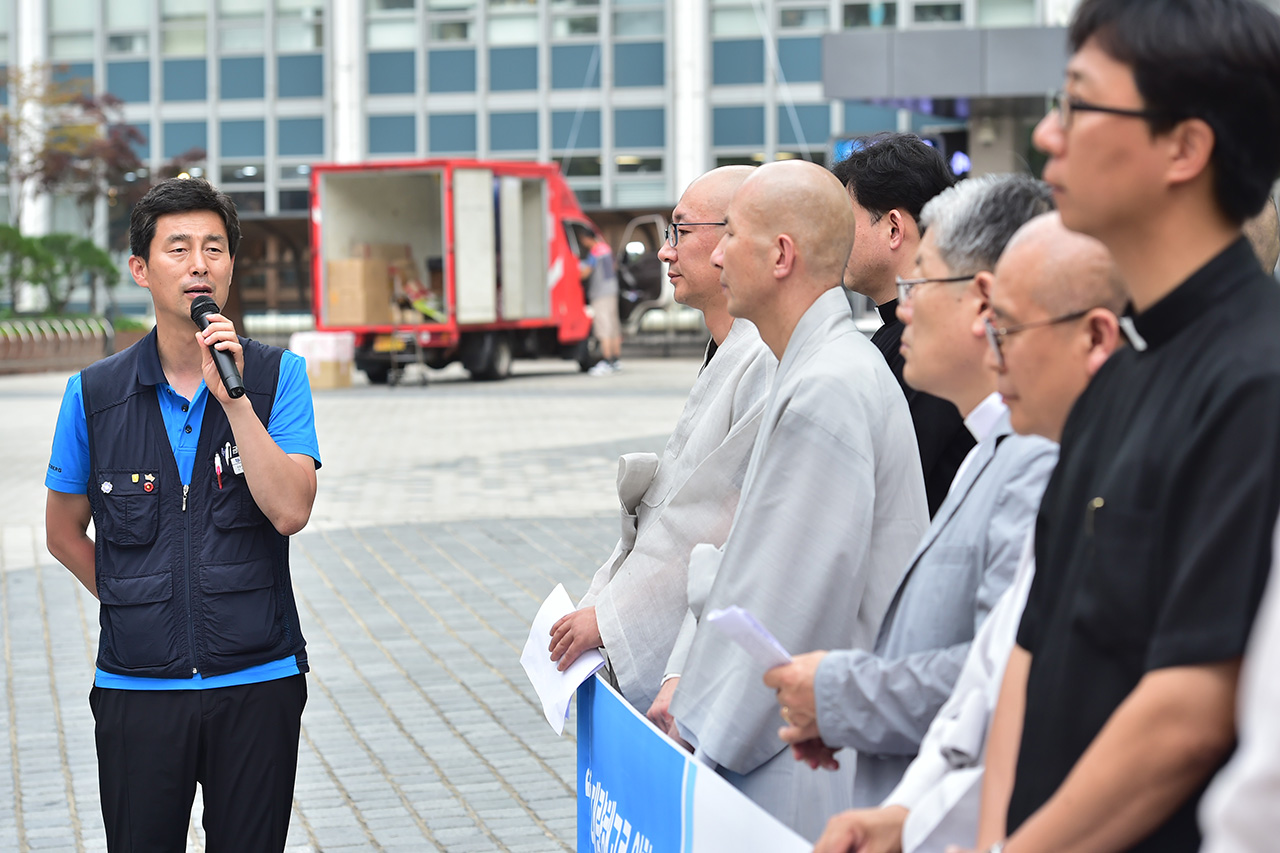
[890,178]
[193,495]
[1153,543]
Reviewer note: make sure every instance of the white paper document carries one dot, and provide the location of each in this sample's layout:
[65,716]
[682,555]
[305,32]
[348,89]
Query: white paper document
[745,630]
[555,688]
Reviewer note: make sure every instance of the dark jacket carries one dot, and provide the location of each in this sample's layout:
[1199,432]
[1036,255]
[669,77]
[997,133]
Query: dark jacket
[190,579]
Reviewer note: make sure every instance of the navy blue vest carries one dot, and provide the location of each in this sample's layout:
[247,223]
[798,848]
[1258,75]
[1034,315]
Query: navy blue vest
[189,579]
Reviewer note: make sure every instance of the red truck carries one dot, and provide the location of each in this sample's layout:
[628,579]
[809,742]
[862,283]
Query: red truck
[441,260]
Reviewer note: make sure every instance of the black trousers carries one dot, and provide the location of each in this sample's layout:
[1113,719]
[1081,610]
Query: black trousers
[240,743]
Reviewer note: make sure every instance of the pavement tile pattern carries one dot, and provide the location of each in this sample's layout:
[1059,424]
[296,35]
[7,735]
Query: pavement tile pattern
[445,515]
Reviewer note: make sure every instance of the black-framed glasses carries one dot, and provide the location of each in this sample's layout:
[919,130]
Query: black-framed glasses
[997,334]
[672,232]
[907,285]
[1066,107]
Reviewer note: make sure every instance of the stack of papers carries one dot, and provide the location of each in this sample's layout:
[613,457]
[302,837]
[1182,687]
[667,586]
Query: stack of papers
[555,688]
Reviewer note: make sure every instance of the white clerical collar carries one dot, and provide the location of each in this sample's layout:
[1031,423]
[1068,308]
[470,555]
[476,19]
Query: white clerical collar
[986,415]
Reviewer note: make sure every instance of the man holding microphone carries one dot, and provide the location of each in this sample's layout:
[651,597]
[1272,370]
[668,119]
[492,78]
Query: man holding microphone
[193,493]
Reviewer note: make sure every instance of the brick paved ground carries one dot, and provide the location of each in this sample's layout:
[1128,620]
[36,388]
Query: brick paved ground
[445,515]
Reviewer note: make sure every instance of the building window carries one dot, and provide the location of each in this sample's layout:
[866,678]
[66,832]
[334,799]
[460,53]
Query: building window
[300,137]
[128,44]
[183,24]
[575,66]
[735,21]
[392,134]
[572,131]
[128,16]
[513,131]
[299,25]
[242,173]
[639,64]
[452,133]
[803,18]
[938,13]
[513,22]
[1006,13]
[242,77]
[451,70]
[244,138]
[870,15]
[300,76]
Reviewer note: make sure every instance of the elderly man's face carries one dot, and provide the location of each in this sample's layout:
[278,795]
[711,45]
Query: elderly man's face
[1045,367]
[695,281]
[938,344]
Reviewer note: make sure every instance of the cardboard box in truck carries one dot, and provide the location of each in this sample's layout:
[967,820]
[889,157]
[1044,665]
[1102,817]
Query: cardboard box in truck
[359,292]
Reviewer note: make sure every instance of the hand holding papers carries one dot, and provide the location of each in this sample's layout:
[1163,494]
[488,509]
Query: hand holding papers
[745,630]
[555,688]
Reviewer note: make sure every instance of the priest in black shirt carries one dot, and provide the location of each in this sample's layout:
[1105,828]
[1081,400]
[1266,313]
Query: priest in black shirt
[1153,542]
[890,178]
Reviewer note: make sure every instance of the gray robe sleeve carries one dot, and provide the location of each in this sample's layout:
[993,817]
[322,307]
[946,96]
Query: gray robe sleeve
[883,706]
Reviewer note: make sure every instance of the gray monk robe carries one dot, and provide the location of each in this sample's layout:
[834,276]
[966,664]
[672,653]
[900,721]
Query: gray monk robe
[832,506]
[882,703]
[640,593]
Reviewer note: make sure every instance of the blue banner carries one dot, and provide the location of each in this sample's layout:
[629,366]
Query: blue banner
[638,792]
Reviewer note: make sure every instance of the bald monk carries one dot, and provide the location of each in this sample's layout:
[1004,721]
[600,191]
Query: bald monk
[832,506]
[638,600]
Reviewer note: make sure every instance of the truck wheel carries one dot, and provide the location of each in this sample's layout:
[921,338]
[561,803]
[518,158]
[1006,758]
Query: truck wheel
[586,352]
[487,356]
[377,371]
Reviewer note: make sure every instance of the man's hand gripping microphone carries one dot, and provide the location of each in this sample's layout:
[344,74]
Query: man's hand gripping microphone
[201,308]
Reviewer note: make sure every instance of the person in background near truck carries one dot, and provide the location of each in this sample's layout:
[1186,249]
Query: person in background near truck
[193,495]
[889,179]
[639,597]
[602,295]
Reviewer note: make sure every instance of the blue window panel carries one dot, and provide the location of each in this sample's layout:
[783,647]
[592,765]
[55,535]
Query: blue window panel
[815,124]
[737,61]
[801,59]
[391,73]
[300,76]
[640,128]
[737,126]
[513,131]
[572,66]
[243,78]
[392,135]
[185,80]
[863,119]
[181,136]
[143,148]
[513,69]
[639,64]
[588,130]
[452,132]
[130,81]
[300,137]
[79,73]
[4,95]
[451,70]
[246,138]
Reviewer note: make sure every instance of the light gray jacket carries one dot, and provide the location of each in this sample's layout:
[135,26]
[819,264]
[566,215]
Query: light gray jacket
[881,703]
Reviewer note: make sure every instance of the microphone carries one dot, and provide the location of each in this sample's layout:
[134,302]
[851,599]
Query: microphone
[201,308]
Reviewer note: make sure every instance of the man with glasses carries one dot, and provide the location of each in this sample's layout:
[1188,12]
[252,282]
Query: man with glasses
[1153,542]
[890,177]
[1051,323]
[881,702]
[832,503]
[638,600]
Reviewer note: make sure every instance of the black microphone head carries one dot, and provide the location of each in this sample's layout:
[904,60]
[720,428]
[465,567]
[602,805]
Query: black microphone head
[202,305]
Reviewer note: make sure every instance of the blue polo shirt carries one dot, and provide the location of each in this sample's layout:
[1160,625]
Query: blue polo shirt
[292,426]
